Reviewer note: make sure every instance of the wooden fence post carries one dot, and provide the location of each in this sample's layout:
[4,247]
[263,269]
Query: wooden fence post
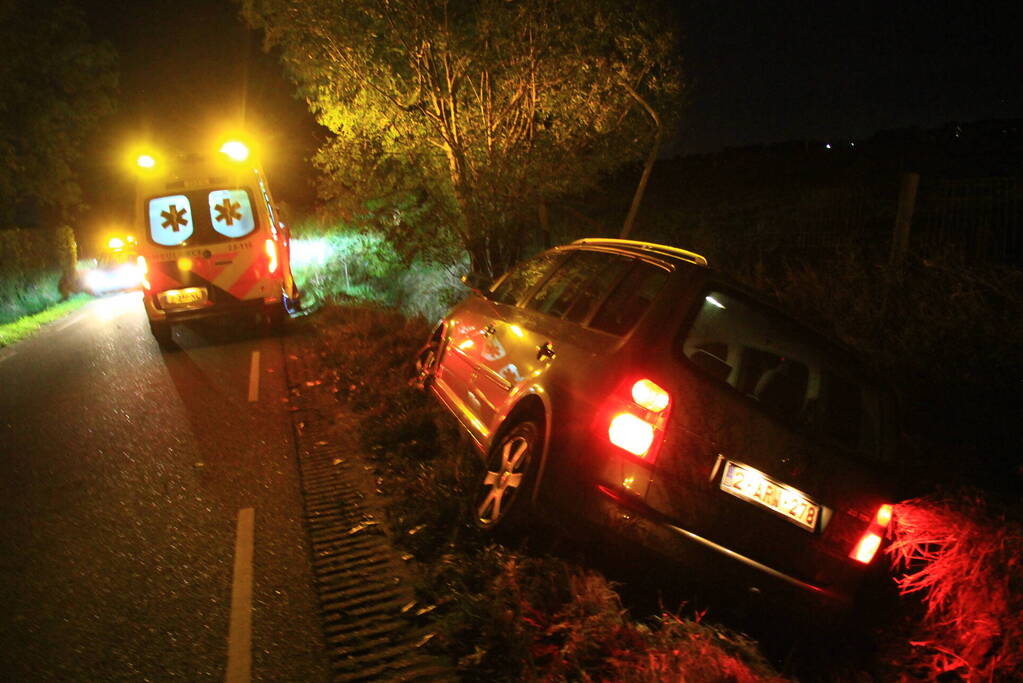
[904,217]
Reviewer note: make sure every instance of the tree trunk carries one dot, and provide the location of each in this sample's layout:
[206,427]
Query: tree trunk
[648,167]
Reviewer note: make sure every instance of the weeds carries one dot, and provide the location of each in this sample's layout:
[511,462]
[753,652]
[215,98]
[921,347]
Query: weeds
[23,327]
[338,263]
[965,562]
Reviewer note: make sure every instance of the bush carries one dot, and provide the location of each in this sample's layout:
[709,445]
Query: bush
[964,560]
[335,262]
[37,269]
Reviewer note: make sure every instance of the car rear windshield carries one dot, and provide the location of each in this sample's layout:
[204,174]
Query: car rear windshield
[200,217]
[789,372]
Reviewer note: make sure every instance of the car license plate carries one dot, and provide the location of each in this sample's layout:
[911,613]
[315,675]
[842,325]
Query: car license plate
[756,487]
[188,296]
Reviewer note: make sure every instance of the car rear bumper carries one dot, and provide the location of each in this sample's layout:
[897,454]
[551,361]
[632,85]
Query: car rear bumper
[742,574]
[247,307]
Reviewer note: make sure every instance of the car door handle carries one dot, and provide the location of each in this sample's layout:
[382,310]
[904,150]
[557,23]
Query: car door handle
[489,331]
[545,352]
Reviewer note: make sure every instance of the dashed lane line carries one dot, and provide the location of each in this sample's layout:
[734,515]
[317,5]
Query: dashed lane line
[239,638]
[254,378]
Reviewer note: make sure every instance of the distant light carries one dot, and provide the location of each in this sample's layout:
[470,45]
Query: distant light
[116,243]
[828,145]
[852,144]
[236,150]
[145,161]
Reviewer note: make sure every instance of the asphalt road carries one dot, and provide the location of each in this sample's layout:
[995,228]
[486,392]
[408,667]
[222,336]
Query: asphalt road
[131,481]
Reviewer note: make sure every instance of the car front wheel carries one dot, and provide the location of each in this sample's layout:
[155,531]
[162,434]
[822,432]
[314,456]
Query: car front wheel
[425,364]
[501,498]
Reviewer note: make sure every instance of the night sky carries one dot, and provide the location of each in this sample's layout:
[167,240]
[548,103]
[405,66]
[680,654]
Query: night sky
[757,72]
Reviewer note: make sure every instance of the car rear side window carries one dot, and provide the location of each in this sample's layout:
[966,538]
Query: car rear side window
[791,374]
[523,277]
[582,280]
[630,298]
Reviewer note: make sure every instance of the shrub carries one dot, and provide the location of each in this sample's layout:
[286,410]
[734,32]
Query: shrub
[336,262]
[965,561]
[36,270]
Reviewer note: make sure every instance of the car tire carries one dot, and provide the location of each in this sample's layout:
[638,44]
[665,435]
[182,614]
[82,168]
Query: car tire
[502,494]
[162,333]
[424,365]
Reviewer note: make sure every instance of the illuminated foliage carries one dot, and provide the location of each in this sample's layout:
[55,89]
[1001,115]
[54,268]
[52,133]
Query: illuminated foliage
[480,112]
[965,560]
[57,85]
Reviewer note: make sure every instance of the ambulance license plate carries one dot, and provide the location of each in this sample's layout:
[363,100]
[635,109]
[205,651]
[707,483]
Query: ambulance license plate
[189,296]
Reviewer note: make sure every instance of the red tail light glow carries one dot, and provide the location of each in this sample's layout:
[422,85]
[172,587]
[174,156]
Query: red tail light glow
[271,251]
[869,543]
[631,433]
[636,416]
[650,396]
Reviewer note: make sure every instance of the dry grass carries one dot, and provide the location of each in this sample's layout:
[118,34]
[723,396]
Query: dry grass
[964,560]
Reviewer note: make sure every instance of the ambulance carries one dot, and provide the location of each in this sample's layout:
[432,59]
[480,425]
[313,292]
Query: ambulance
[212,241]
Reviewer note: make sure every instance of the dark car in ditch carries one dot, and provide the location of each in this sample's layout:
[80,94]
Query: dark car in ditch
[629,386]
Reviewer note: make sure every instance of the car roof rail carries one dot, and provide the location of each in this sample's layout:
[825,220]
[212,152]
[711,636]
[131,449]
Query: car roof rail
[663,249]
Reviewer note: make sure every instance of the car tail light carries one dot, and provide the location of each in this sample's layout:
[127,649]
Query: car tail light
[869,543]
[636,424]
[650,396]
[631,433]
[271,251]
[144,272]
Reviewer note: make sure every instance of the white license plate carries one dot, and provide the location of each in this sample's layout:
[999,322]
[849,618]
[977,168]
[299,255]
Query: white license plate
[184,297]
[755,487]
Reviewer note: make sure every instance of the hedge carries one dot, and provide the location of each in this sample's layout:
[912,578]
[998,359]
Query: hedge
[37,269]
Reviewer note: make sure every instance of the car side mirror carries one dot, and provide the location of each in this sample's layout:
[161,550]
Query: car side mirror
[478,283]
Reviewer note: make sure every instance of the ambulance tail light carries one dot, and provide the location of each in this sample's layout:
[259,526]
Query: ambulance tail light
[271,252]
[637,418]
[144,273]
[870,541]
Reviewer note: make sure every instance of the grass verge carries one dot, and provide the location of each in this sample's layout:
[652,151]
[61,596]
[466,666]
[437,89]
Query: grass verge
[13,332]
[503,613]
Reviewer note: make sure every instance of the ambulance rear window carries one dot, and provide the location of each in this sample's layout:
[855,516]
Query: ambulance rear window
[231,212]
[170,220]
[201,217]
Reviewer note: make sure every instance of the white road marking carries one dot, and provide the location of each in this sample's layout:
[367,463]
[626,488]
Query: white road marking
[68,323]
[254,378]
[239,637]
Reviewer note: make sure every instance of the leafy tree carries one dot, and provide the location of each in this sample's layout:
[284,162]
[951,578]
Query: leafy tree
[57,85]
[470,116]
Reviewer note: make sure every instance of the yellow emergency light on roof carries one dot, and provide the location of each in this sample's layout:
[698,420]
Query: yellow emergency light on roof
[235,150]
[116,243]
[145,161]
